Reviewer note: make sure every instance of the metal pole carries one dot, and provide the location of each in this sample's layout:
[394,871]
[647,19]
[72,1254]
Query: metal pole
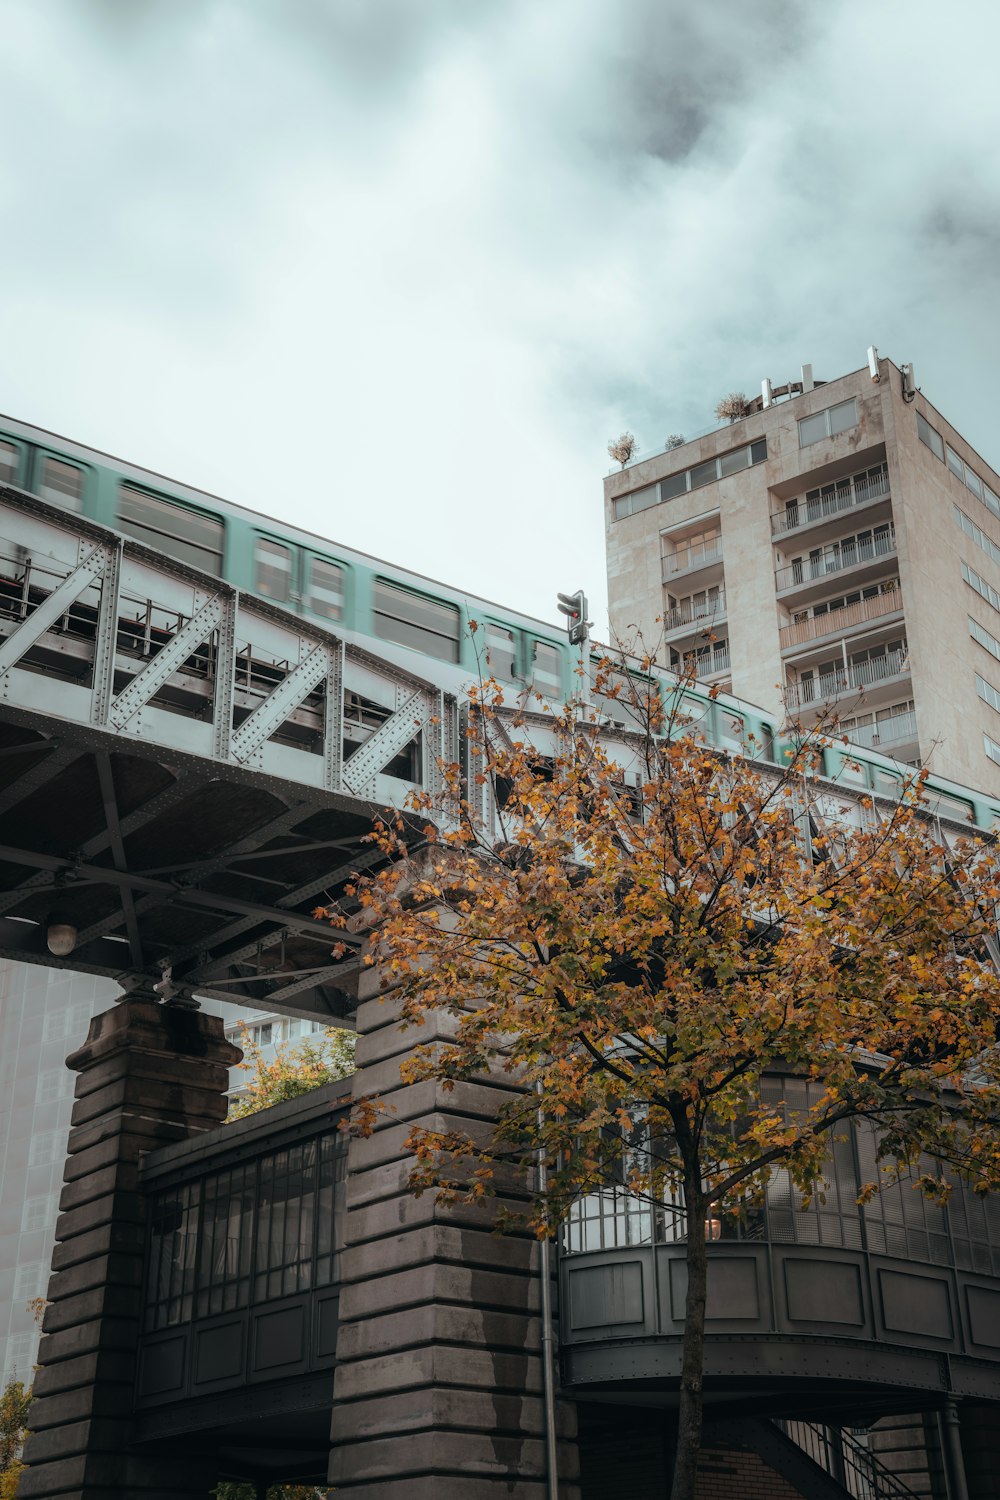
[954,1461]
[548,1342]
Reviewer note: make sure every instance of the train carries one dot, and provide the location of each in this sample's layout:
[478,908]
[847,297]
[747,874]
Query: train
[404,615]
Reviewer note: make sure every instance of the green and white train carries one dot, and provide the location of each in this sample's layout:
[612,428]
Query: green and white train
[397,613]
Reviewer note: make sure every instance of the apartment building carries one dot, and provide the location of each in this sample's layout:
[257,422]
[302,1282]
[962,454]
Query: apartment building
[834,551]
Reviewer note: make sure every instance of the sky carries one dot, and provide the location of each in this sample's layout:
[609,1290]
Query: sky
[396,270]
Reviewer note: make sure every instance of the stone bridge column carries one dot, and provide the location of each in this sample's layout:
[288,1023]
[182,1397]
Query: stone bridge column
[149,1075]
[438,1384]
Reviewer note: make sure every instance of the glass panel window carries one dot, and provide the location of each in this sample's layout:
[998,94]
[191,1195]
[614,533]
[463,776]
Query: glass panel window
[62,484]
[8,463]
[843,416]
[927,434]
[673,485]
[990,642]
[643,499]
[326,589]
[273,570]
[546,673]
[955,464]
[413,620]
[992,748]
[189,535]
[500,659]
[758,451]
[973,483]
[623,507]
[731,463]
[704,473]
[811,429]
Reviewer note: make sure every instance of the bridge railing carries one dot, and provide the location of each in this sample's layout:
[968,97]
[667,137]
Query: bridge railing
[245,1231]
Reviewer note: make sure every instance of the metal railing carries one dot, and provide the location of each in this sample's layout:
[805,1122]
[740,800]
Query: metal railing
[853,1465]
[708,665]
[848,555]
[803,512]
[692,557]
[892,731]
[859,675]
[835,620]
[692,613]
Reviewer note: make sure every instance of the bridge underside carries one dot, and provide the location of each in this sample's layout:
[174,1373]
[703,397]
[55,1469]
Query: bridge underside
[171,863]
[187,772]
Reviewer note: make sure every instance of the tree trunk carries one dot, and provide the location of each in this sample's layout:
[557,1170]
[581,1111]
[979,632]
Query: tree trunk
[689,1411]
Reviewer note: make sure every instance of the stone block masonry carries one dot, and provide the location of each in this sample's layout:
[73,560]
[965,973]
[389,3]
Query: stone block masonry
[148,1075]
[438,1391]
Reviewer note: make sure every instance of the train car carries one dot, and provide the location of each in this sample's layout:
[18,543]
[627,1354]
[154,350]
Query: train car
[399,613]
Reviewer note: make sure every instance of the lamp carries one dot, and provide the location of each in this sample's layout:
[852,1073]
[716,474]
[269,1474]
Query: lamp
[60,934]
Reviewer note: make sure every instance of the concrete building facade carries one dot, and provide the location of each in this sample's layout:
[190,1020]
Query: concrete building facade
[834,552]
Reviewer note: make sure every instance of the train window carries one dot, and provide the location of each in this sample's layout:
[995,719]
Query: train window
[62,484]
[8,463]
[500,658]
[186,534]
[887,784]
[732,731]
[326,589]
[273,570]
[414,620]
[546,670]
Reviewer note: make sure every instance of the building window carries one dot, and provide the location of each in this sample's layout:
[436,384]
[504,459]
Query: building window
[692,549]
[186,534]
[984,589]
[53,1084]
[824,424]
[38,1213]
[62,484]
[992,748]
[930,436]
[984,638]
[691,479]
[326,589]
[273,570]
[988,692]
[29,1282]
[46,1147]
[413,620]
[8,463]
[980,538]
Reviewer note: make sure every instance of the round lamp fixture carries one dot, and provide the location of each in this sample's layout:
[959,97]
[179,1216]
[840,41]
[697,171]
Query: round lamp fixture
[60,936]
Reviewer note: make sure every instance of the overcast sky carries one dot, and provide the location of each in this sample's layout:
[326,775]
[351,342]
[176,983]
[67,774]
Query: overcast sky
[397,269]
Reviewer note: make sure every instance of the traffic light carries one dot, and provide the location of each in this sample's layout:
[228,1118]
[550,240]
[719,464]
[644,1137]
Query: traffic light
[574,607]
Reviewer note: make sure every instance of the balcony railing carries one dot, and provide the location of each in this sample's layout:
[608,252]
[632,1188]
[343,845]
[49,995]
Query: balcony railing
[837,620]
[707,666]
[849,555]
[692,557]
[898,730]
[803,512]
[692,613]
[859,675]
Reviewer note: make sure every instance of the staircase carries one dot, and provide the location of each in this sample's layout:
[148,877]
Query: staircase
[849,1462]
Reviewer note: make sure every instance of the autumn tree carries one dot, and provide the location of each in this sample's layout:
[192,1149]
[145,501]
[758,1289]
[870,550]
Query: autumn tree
[15,1398]
[640,929]
[290,1071]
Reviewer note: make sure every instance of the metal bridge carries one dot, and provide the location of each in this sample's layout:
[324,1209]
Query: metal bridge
[186,771]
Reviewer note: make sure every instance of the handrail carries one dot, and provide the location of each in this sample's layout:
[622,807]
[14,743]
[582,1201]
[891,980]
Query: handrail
[890,731]
[838,1452]
[859,675]
[801,513]
[886,603]
[690,613]
[806,570]
[691,557]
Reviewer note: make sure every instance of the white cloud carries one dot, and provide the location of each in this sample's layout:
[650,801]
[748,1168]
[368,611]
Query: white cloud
[398,271]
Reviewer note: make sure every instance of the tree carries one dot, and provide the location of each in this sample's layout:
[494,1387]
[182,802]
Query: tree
[648,930]
[233,1490]
[15,1398]
[732,408]
[327,1056]
[622,448]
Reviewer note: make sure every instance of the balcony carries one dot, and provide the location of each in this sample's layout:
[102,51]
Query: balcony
[853,554]
[858,677]
[703,614]
[711,665]
[885,734]
[692,559]
[859,491]
[838,621]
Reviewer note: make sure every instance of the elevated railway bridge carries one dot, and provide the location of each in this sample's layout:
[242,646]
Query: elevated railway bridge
[186,772]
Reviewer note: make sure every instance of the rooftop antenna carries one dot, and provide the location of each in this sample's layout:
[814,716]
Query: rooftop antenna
[873,363]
